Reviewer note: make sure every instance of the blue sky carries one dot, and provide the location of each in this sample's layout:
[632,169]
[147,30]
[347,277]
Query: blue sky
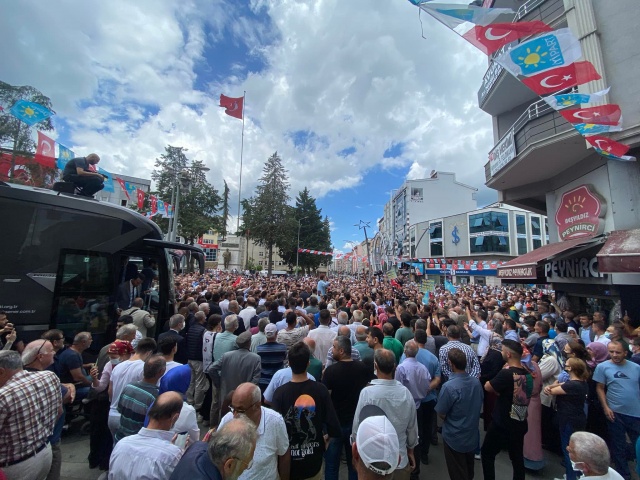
[349,94]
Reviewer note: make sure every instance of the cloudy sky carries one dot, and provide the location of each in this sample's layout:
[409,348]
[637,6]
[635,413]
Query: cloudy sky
[347,92]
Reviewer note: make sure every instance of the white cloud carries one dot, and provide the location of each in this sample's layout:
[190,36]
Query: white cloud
[357,74]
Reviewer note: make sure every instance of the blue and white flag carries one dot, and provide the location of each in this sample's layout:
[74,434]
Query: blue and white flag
[108,182]
[161,208]
[558,102]
[449,286]
[551,50]
[64,155]
[30,112]
[587,129]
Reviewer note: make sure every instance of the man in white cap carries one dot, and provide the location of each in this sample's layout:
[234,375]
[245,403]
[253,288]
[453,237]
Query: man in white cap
[376,452]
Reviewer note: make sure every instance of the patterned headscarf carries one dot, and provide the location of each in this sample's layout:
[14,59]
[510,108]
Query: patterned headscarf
[599,354]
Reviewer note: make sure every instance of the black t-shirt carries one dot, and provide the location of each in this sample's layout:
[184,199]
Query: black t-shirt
[396,324]
[491,365]
[69,360]
[307,409]
[439,340]
[346,380]
[502,383]
[571,405]
[71,168]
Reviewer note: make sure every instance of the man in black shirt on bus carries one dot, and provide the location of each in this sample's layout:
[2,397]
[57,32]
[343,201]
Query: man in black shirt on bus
[79,171]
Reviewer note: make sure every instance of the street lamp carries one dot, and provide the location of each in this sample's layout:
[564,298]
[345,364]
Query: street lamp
[180,177]
[298,249]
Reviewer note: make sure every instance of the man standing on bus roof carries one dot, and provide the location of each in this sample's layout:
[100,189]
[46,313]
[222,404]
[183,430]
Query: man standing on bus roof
[79,171]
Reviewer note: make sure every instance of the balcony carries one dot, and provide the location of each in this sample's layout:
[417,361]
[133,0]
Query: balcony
[500,91]
[539,145]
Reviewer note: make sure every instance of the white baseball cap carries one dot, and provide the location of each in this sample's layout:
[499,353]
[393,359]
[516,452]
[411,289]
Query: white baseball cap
[377,443]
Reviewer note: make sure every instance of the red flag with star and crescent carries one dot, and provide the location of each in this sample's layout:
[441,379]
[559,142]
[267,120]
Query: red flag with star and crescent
[154,204]
[123,186]
[608,147]
[233,106]
[490,38]
[140,194]
[599,115]
[46,151]
[556,79]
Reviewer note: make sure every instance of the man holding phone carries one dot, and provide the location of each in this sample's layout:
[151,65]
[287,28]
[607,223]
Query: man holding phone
[8,335]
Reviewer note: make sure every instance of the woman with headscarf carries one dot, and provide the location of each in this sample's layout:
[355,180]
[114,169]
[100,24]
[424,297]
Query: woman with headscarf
[177,380]
[551,364]
[596,420]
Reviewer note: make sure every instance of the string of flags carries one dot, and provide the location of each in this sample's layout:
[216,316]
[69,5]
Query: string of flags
[547,63]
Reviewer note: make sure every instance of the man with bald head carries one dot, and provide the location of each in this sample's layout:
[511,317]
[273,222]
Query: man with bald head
[151,453]
[81,171]
[271,457]
[343,331]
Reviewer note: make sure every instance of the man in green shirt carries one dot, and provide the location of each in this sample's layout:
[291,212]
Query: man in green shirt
[315,365]
[404,333]
[391,343]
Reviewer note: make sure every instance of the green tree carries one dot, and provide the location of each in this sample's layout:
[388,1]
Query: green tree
[199,201]
[315,234]
[265,215]
[17,136]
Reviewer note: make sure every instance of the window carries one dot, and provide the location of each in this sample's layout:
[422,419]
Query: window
[537,243]
[535,226]
[489,222]
[436,249]
[123,203]
[490,244]
[435,239]
[261,254]
[546,229]
[522,245]
[521,225]
[210,254]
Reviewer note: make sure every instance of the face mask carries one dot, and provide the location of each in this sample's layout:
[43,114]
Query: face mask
[115,361]
[574,465]
[607,334]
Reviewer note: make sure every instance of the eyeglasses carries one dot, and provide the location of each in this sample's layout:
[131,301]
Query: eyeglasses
[240,411]
[248,464]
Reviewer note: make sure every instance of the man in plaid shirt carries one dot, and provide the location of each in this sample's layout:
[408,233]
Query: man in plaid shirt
[473,365]
[30,403]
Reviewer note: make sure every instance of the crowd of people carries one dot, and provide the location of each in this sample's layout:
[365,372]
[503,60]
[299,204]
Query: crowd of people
[291,375]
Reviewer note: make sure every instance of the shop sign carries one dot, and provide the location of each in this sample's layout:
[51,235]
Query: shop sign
[580,213]
[573,268]
[528,271]
[451,271]
[502,153]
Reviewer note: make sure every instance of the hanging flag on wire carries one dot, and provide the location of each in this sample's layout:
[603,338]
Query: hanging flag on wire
[461,18]
[233,106]
[490,38]
[154,204]
[556,49]
[609,148]
[30,112]
[592,129]
[46,151]
[558,102]
[140,195]
[556,79]
[599,115]
[161,208]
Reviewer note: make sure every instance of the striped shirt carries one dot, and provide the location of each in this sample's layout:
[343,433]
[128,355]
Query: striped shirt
[134,402]
[29,404]
[272,357]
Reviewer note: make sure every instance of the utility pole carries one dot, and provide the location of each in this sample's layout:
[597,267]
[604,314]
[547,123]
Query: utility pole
[363,226]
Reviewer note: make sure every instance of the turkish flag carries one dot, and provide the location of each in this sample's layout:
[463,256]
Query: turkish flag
[601,115]
[123,186]
[154,204]
[140,194]
[490,38]
[45,153]
[607,145]
[234,106]
[556,79]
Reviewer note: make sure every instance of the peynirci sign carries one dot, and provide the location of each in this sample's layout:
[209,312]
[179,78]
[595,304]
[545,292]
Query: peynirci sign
[580,213]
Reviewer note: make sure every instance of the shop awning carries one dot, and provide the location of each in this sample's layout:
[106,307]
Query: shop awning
[620,253]
[525,266]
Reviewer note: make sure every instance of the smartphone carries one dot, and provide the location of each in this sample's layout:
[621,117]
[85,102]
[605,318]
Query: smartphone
[181,439]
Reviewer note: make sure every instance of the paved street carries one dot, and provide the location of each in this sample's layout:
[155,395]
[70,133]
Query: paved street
[75,448]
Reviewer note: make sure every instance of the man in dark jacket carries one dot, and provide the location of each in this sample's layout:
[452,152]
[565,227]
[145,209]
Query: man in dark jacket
[199,383]
[176,324]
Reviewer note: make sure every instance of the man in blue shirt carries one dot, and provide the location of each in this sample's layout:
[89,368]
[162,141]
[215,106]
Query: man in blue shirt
[459,406]
[425,412]
[618,387]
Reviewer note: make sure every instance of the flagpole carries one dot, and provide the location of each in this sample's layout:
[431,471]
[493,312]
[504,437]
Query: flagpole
[244,105]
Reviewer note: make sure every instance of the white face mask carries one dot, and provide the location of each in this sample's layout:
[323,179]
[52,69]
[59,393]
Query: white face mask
[115,361]
[574,465]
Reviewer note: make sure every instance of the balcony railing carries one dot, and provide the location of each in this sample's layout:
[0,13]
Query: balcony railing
[550,12]
[553,124]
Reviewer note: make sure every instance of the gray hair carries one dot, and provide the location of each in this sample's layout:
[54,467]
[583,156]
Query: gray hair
[193,307]
[200,316]
[126,330]
[204,306]
[592,450]
[10,360]
[176,320]
[234,440]
[233,306]
[358,315]
[31,351]
[231,323]
[262,324]
[81,337]
[411,349]
[361,333]
[343,317]
[345,344]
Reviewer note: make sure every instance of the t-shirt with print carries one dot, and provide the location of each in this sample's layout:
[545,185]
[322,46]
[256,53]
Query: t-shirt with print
[306,408]
[571,405]
[623,386]
[503,384]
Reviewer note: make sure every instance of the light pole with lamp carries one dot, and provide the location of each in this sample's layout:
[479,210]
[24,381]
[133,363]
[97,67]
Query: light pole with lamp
[298,249]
